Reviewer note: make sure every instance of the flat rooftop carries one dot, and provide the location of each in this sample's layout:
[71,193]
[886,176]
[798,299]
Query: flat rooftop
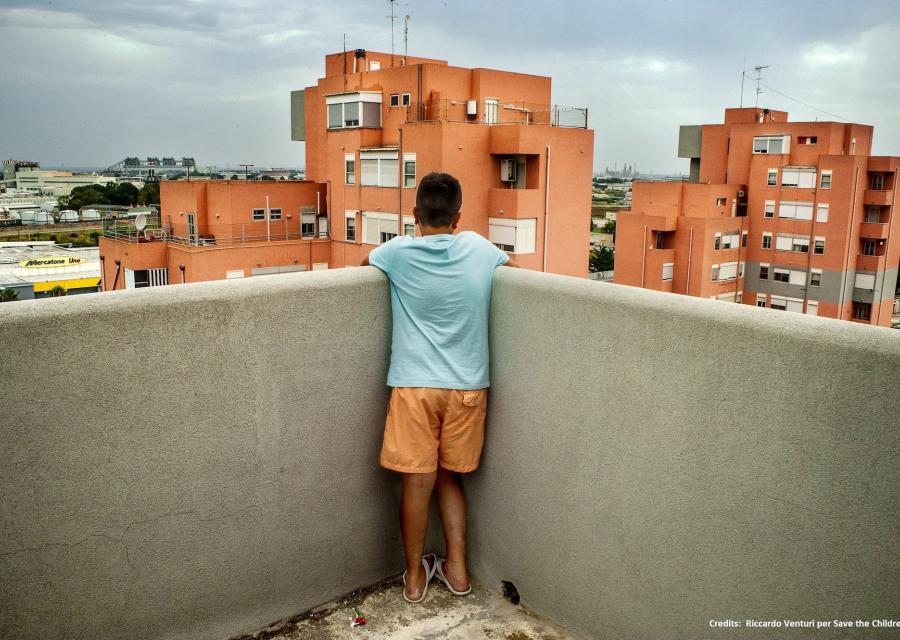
[484,613]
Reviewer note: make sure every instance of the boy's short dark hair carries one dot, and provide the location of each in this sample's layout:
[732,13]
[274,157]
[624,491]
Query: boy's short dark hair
[438,199]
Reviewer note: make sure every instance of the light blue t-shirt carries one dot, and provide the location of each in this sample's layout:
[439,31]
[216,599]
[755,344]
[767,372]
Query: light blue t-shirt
[440,299]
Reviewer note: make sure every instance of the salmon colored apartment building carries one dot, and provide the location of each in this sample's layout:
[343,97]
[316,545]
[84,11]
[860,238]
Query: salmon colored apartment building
[373,126]
[795,216]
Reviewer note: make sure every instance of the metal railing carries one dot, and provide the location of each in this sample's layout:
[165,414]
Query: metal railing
[124,229]
[160,229]
[503,112]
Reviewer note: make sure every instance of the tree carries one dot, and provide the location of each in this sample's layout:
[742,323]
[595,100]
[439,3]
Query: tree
[87,195]
[234,176]
[602,259]
[8,295]
[123,193]
[609,227]
[58,291]
[149,194]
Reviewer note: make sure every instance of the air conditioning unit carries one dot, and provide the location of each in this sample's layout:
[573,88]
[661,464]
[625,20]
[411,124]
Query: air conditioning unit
[471,107]
[508,170]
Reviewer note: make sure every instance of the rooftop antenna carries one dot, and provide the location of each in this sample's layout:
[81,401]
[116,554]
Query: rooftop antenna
[743,76]
[758,78]
[406,36]
[392,2]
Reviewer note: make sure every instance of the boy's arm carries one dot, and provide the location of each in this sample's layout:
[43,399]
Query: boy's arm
[511,262]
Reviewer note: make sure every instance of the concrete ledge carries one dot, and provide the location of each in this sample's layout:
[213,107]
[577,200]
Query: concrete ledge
[193,461]
[654,462]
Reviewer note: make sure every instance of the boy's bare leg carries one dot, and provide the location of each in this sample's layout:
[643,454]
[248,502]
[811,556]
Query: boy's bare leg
[452,504]
[417,490]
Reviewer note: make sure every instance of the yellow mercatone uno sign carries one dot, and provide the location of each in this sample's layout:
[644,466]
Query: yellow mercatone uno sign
[52,261]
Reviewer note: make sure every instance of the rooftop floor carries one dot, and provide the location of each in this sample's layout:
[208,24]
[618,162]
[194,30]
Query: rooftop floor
[482,614]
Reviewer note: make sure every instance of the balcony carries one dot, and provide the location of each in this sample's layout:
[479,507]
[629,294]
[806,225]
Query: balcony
[869,263]
[504,112]
[203,459]
[877,230]
[880,198]
[515,203]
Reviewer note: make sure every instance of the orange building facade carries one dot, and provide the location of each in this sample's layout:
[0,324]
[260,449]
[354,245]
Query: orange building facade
[795,216]
[373,126]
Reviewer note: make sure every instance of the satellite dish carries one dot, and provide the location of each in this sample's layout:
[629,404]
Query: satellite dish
[140,221]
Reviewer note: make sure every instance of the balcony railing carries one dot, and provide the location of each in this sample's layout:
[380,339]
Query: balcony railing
[446,110]
[201,460]
[206,235]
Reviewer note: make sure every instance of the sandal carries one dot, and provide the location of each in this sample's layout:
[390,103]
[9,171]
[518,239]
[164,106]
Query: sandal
[439,572]
[429,574]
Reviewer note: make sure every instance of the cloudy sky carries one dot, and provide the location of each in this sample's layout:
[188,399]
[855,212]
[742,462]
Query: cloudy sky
[89,82]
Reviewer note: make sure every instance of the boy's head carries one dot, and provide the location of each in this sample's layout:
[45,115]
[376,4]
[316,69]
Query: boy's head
[438,200]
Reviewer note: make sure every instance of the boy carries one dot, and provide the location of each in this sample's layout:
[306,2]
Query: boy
[440,299]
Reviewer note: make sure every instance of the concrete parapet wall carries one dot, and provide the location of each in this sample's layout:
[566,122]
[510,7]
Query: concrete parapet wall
[193,461]
[197,461]
[654,462]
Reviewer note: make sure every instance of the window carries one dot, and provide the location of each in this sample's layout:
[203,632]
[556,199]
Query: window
[744,239]
[782,275]
[868,248]
[812,308]
[491,110]
[825,180]
[274,214]
[323,225]
[767,241]
[819,248]
[379,168]
[307,225]
[378,228]
[822,213]
[741,269]
[349,169]
[406,100]
[772,178]
[515,236]
[815,278]
[798,244]
[798,177]
[877,182]
[350,226]
[717,243]
[728,271]
[807,140]
[409,226]
[360,109]
[873,213]
[771,144]
[760,300]
[667,269]
[141,278]
[395,100]
[795,210]
[721,202]
[661,239]
[770,209]
[715,272]
[763,272]
[409,169]
[374,65]
[259,214]
[730,240]
[862,310]
[865,281]
[778,303]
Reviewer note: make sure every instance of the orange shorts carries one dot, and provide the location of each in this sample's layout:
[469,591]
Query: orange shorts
[427,426]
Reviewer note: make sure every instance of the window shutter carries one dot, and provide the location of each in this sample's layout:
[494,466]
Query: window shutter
[368,172]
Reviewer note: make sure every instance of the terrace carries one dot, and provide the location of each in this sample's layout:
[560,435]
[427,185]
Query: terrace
[202,462]
[496,113]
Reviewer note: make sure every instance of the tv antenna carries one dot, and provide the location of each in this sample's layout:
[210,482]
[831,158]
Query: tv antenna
[406,36]
[392,17]
[758,78]
[247,170]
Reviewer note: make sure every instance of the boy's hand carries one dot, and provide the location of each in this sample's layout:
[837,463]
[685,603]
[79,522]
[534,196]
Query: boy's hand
[511,263]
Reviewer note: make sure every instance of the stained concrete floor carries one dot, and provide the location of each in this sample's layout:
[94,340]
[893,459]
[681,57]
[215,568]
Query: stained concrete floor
[442,616]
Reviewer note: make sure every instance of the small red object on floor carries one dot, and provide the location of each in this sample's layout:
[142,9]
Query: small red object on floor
[360,618]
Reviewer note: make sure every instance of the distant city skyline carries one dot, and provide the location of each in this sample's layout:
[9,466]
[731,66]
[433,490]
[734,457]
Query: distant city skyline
[89,83]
